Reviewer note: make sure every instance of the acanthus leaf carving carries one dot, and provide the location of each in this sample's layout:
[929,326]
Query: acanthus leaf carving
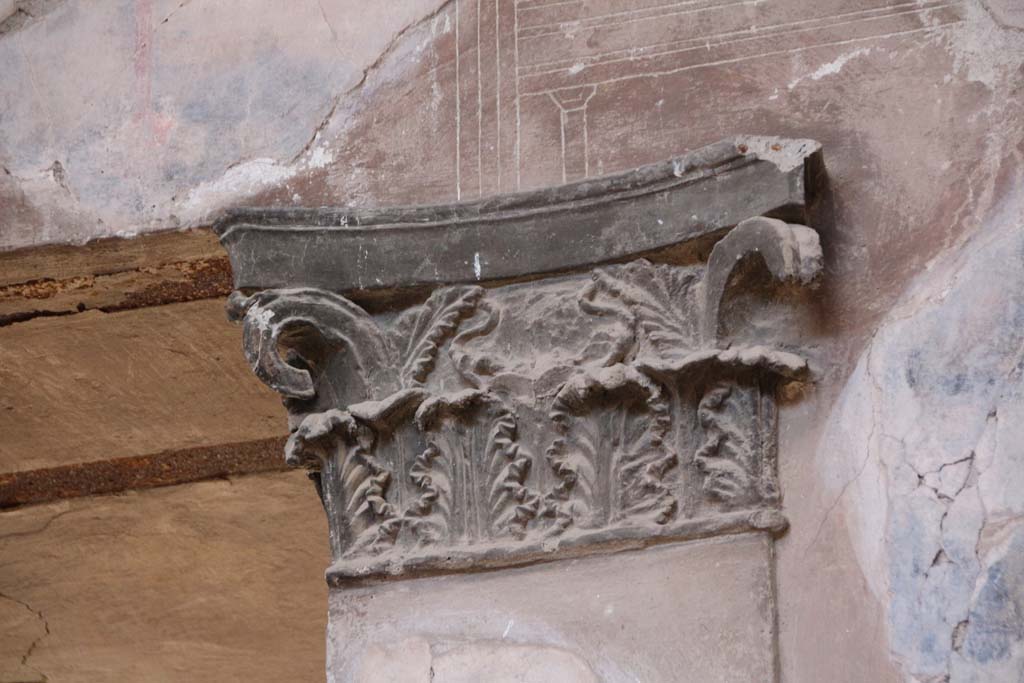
[513,504]
[419,333]
[430,511]
[736,458]
[623,412]
[382,360]
[651,300]
[476,369]
[474,433]
[354,482]
[773,361]
[598,404]
[428,469]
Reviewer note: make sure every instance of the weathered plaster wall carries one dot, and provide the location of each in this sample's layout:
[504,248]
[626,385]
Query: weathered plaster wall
[899,460]
[123,117]
[926,456]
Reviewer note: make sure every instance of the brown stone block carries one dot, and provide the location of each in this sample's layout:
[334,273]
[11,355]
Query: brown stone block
[100,386]
[111,274]
[205,582]
[106,256]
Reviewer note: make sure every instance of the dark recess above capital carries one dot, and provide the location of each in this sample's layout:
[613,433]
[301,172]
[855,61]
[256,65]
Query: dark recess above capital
[610,218]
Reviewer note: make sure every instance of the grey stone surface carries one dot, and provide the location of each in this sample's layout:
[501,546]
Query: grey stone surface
[473,430]
[423,427]
[553,229]
[926,447]
[697,612]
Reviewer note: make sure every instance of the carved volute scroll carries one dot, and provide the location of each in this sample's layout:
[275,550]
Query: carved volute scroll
[587,405]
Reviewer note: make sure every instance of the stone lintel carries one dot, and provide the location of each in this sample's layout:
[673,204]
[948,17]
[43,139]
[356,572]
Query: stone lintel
[580,224]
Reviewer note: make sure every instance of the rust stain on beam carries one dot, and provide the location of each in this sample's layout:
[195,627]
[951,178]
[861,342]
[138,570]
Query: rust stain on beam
[141,472]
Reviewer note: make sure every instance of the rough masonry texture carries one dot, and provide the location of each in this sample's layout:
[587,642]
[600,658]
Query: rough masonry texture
[939,467]
[612,397]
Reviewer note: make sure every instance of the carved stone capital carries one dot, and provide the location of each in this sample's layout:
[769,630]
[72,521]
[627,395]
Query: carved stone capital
[566,407]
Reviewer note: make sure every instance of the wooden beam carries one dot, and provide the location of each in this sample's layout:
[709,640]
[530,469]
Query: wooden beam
[112,274]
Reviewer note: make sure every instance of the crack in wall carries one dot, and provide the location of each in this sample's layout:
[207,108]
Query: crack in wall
[923,478]
[330,27]
[871,450]
[248,176]
[942,560]
[997,20]
[182,5]
[936,523]
[373,66]
[41,529]
[973,567]
[842,492]
[27,12]
[36,642]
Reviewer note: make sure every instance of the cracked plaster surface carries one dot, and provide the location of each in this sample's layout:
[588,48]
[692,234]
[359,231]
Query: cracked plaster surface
[23,625]
[144,131]
[925,455]
[189,106]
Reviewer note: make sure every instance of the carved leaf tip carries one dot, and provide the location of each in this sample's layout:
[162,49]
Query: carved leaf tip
[307,445]
[775,361]
[512,503]
[629,483]
[646,297]
[425,329]
[427,515]
[237,305]
[475,368]
[584,385]
[386,413]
